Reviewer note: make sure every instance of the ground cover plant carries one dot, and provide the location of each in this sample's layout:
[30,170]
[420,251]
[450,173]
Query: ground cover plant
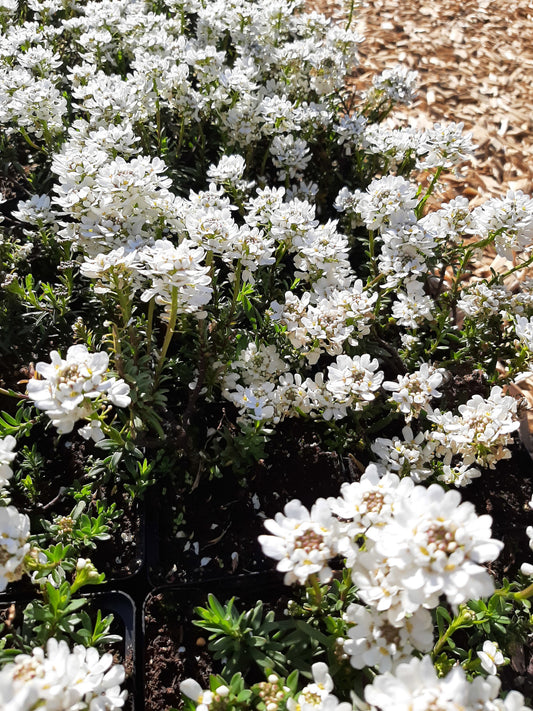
[213,251]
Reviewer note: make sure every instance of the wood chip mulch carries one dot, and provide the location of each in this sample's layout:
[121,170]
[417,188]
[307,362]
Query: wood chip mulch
[474,59]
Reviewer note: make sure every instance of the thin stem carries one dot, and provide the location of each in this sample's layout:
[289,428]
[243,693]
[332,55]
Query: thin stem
[150,323]
[466,615]
[28,140]
[315,583]
[429,191]
[350,15]
[525,593]
[501,277]
[236,290]
[168,335]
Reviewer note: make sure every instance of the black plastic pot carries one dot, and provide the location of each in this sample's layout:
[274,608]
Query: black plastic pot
[175,648]
[125,624]
[210,531]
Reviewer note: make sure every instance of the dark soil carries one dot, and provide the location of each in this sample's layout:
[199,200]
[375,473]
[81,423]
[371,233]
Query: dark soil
[176,649]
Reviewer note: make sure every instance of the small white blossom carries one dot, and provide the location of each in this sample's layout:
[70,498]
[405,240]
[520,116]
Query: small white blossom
[491,657]
[412,393]
[14,533]
[58,679]
[317,695]
[70,389]
[445,146]
[374,642]
[7,455]
[303,541]
[415,685]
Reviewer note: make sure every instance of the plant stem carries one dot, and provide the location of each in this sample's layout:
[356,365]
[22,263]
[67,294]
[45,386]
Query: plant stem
[464,616]
[150,324]
[429,191]
[313,579]
[350,15]
[168,335]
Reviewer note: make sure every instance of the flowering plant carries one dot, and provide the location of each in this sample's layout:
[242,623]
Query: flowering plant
[206,237]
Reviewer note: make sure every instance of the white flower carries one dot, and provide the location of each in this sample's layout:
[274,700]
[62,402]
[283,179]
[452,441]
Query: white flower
[303,541]
[409,456]
[58,679]
[70,389]
[524,331]
[367,506]
[14,533]
[491,657]
[445,146]
[481,431]
[415,685]
[438,544]
[509,219]
[413,392]
[387,201]
[7,444]
[374,642]
[177,270]
[354,381]
[317,695]
[414,307]
[194,691]
[398,83]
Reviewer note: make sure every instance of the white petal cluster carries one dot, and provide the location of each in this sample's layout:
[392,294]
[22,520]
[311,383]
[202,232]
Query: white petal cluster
[480,432]
[374,642]
[406,546]
[202,697]
[510,220]
[117,271]
[491,657]
[524,331]
[415,685]
[388,201]
[405,251]
[445,145]
[14,533]
[303,541]
[7,455]
[354,381]
[58,679]
[410,456]
[323,323]
[398,83]
[177,272]
[413,392]
[73,388]
[317,695]
[436,545]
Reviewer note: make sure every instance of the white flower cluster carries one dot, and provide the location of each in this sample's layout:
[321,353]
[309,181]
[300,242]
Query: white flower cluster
[413,393]
[7,455]
[415,685]
[74,388]
[14,546]
[58,679]
[419,544]
[317,695]
[480,432]
[324,323]
[397,83]
[351,384]
[511,221]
